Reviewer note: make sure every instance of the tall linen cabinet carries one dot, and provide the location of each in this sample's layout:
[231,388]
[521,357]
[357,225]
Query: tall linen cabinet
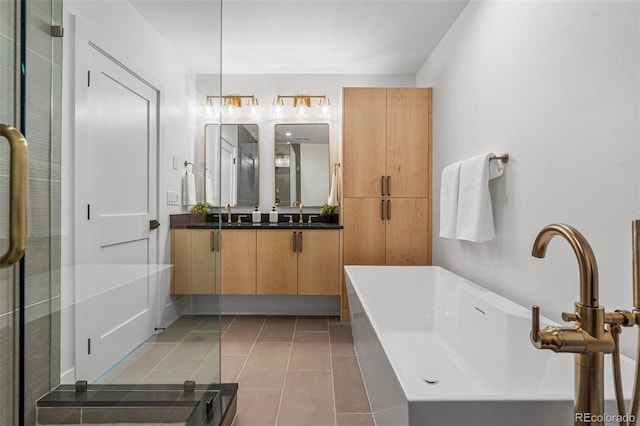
[387,169]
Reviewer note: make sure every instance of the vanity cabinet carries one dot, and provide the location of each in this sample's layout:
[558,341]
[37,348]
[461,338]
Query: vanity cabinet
[238,260]
[305,262]
[386,154]
[196,261]
[250,261]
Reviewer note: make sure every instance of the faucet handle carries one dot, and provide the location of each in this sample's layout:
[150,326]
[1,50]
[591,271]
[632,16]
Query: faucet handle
[570,316]
[535,323]
[240,216]
[290,216]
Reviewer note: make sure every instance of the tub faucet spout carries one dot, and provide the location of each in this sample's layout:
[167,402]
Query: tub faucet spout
[588,339]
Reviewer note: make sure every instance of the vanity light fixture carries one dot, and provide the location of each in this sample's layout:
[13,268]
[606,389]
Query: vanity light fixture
[301,103]
[231,103]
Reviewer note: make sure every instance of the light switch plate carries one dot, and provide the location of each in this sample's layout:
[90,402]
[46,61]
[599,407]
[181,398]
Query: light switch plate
[173,198]
[175,163]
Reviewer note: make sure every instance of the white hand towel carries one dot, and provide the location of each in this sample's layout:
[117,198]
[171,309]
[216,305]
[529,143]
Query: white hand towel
[449,185]
[333,198]
[475,212]
[189,189]
[209,190]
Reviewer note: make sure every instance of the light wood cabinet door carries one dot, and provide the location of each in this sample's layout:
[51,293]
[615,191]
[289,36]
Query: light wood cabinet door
[277,262]
[204,262]
[238,259]
[408,156]
[180,252]
[364,134]
[407,232]
[364,231]
[319,262]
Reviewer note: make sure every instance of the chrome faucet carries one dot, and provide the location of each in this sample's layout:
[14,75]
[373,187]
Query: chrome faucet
[228,208]
[588,339]
[300,218]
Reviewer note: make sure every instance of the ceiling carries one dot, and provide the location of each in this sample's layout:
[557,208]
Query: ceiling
[302,36]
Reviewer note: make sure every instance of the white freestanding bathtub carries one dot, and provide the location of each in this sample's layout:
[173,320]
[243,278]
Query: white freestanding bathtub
[437,350]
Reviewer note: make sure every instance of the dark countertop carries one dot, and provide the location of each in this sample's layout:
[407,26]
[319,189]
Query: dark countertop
[249,225]
[183,221]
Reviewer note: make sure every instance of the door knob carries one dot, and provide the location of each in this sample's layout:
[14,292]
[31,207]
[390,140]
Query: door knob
[154,224]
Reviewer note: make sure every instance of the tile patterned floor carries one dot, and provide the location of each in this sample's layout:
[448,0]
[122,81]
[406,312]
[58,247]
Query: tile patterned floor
[294,371]
[290,371]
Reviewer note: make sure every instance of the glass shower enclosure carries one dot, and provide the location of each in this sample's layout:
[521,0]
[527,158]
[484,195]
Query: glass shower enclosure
[102,110]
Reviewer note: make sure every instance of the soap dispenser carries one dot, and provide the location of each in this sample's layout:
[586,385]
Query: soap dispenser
[256,217]
[273,215]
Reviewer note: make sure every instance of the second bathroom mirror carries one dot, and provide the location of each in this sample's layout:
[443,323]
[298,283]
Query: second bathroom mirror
[301,164]
[234,178]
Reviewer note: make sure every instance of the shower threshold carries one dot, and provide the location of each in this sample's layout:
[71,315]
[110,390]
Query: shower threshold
[177,405]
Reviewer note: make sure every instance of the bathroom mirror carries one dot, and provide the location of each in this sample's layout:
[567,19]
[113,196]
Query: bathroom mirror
[301,164]
[233,157]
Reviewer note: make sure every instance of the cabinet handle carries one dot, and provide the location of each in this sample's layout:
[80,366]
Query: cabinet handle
[382,209]
[295,242]
[388,209]
[300,243]
[389,185]
[212,244]
[17,196]
[219,239]
[382,182]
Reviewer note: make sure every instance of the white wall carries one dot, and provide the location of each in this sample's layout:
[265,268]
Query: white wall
[556,85]
[120,30]
[265,87]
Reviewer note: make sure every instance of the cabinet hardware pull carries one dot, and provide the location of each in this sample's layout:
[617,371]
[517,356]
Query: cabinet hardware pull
[17,196]
[295,242]
[388,209]
[300,243]
[382,182]
[212,243]
[219,239]
[382,210]
[389,185]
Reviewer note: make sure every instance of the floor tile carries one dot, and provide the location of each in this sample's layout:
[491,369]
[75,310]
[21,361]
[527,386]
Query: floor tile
[257,407]
[225,321]
[209,370]
[176,331]
[354,419]
[312,324]
[188,355]
[239,337]
[138,364]
[158,377]
[266,366]
[277,330]
[341,340]
[310,351]
[307,399]
[231,367]
[350,394]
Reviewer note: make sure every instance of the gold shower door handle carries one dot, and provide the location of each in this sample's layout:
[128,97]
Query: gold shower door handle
[17,196]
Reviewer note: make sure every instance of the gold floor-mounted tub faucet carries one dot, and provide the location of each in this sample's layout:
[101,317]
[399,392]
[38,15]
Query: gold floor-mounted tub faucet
[588,339]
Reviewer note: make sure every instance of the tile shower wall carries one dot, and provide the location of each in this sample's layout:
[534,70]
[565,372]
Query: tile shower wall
[557,86]
[42,272]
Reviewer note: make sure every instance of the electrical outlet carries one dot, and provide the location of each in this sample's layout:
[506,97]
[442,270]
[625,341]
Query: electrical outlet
[173,198]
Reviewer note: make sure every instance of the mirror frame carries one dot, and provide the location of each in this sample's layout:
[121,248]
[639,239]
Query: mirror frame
[206,162]
[328,165]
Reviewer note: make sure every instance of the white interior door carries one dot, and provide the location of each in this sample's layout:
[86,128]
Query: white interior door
[115,289]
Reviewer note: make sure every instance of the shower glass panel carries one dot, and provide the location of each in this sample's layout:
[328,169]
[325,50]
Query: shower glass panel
[108,108]
[30,100]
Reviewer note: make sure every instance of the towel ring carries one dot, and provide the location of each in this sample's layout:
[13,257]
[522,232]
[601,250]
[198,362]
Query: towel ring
[187,164]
